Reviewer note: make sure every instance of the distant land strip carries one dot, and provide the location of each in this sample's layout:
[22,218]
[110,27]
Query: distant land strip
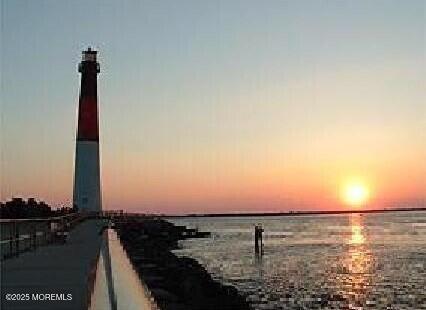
[292,213]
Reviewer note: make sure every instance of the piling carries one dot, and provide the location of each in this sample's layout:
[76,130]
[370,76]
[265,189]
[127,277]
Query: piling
[258,239]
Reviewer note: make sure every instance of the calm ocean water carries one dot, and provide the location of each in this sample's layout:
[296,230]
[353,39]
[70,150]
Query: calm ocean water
[352,261]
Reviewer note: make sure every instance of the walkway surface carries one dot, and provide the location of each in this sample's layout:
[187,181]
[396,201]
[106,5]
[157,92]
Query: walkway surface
[62,271]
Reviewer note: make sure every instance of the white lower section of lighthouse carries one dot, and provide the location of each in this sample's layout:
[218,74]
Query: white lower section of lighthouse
[87,184]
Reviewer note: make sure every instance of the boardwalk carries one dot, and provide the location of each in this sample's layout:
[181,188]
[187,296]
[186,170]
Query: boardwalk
[58,269]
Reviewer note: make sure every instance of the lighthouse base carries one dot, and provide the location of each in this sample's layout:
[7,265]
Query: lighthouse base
[87,185]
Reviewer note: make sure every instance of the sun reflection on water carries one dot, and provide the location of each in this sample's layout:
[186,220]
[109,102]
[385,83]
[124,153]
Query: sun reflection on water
[357,236]
[357,265]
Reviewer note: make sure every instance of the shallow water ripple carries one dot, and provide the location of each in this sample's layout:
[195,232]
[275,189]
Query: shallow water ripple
[374,261]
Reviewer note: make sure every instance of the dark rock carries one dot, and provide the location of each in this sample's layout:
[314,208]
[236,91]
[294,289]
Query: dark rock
[175,282]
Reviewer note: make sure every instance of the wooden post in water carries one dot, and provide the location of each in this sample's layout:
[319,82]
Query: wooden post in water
[258,239]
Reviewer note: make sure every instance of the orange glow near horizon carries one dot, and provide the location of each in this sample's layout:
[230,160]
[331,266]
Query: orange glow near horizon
[356,193]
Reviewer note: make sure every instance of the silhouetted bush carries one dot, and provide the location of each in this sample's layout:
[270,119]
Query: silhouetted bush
[18,208]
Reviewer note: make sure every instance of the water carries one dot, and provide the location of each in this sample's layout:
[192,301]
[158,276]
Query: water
[351,261]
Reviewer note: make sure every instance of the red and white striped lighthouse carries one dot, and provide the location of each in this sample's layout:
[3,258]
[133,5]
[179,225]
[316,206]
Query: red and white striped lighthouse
[87,183]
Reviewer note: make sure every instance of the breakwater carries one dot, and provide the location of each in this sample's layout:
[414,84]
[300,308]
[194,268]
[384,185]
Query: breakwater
[175,282]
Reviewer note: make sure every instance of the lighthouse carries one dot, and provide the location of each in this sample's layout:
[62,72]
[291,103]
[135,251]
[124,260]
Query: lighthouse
[87,183]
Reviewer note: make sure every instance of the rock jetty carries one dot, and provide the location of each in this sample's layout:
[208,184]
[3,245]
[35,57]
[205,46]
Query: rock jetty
[176,283]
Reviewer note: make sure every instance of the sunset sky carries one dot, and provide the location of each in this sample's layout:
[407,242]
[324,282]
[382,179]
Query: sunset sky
[219,106]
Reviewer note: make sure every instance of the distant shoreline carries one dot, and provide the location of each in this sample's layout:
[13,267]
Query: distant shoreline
[291,213]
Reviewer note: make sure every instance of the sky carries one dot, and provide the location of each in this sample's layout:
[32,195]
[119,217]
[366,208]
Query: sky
[219,106]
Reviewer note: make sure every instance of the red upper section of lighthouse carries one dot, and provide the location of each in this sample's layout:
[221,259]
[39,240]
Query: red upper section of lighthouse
[88,125]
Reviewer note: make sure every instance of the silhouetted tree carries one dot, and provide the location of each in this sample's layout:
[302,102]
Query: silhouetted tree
[17,208]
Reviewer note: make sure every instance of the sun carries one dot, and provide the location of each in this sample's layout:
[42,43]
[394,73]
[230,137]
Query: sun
[356,194]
